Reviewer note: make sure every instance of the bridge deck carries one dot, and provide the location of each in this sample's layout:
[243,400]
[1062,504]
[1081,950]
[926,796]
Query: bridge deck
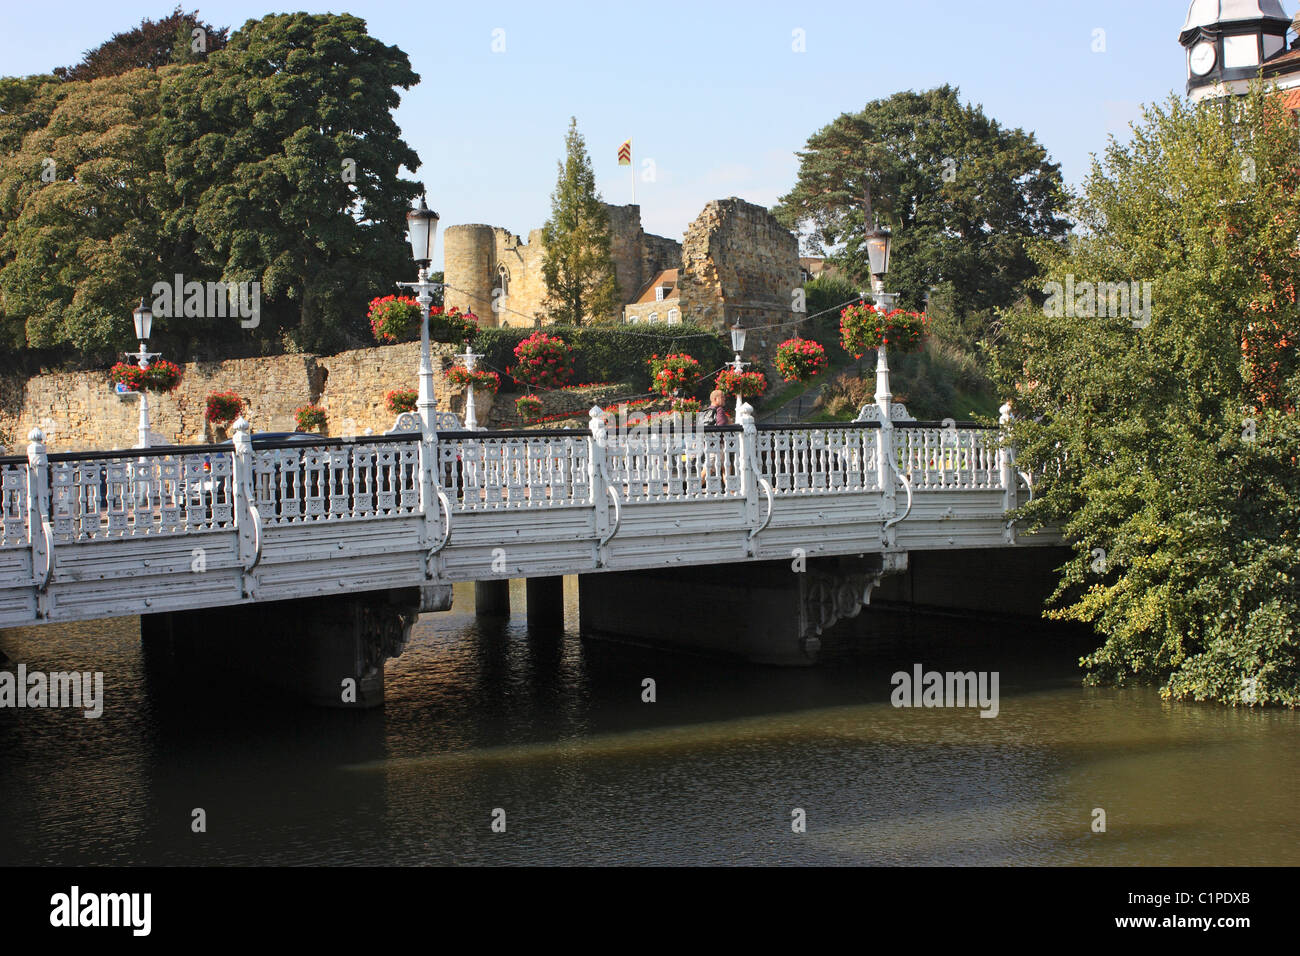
[114,533]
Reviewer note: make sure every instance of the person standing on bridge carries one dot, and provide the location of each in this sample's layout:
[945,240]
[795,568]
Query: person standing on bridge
[717,408]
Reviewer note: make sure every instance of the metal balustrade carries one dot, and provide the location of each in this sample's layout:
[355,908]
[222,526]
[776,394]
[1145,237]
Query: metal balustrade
[13,505]
[306,483]
[94,499]
[800,461]
[948,458]
[186,490]
[673,464]
[486,472]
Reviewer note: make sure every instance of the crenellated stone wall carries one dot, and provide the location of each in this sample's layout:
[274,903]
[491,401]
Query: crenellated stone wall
[475,254]
[79,411]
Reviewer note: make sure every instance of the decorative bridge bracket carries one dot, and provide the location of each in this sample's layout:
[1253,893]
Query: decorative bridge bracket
[751,478]
[41,532]
[601,487]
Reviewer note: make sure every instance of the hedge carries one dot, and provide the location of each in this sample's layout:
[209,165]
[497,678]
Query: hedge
[604,353]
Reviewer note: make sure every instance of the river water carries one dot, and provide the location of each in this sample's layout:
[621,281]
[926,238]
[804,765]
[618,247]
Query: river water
[554,733]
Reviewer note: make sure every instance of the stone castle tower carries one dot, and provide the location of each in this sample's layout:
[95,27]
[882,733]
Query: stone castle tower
[494,274]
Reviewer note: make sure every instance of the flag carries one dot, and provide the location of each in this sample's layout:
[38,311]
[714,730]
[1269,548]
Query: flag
[625,154]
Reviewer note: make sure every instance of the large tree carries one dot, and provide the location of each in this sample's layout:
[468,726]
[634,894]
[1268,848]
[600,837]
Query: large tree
[178,38]
[286,163]
[577,263]
[1166,440]
[963,195]
[81,235]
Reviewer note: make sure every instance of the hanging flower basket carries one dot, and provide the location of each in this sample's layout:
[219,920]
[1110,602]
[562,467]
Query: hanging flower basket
[401,400]
[161,376]
[223,408]
[481,379]
[672,373]
[529,406]
[394,318]
[800,359]
[450,325]
[545,361]
[744,384]
[309,417]
[863,327]
[127,374]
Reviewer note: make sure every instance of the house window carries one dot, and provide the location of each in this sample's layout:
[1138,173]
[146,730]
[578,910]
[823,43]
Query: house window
[659,293]
[674,317]
[654,317]
[634,319]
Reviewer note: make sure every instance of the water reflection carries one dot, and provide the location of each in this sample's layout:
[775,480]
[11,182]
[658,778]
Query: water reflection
[553,730]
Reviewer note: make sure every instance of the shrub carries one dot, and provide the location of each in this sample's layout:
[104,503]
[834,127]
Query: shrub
[686,406]
[800,359]
[543,361]
[309,417]
[401,400]
[529,406]
[223,408]
[673,373]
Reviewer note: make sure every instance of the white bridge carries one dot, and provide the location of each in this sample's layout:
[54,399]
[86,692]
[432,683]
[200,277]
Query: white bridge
[104,534]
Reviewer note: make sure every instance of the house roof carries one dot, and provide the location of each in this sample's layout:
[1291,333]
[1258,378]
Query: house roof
[1290,98]
[647,294]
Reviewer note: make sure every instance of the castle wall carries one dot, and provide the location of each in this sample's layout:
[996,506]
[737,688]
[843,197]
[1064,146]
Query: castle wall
[78,410]
[739,263]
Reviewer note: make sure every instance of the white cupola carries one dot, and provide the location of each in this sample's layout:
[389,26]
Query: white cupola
[1229,41]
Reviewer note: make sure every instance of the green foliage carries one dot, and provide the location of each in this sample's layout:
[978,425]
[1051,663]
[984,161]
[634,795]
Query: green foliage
[275,160]
[153,44]
[1174,475]
[577,265]
[963,194]
[80,205]
[940,381]
[285,158]
[609,354]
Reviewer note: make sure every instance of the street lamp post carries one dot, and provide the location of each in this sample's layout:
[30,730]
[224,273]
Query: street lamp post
[470,358]
[422,229]
[737,366]
[143,319]
[878,243]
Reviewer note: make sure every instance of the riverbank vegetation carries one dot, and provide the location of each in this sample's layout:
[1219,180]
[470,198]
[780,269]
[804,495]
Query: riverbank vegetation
[1166,443]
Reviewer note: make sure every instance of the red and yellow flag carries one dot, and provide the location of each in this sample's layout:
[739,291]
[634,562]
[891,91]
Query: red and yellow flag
[625,154]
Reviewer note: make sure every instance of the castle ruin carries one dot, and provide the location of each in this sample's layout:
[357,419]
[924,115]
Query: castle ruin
[736,262]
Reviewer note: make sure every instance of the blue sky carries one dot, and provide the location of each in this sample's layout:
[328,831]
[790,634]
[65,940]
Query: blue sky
[713,92]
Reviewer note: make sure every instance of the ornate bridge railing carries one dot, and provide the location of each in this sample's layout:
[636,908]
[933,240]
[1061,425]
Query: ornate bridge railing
[567,500]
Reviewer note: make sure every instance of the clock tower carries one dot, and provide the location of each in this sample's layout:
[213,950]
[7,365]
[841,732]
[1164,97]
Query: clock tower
[1229,43]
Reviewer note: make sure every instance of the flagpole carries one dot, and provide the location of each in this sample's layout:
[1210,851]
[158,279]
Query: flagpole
[632,169]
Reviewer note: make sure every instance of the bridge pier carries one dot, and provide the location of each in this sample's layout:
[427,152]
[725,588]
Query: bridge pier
[492,598]
[545,603]
[328,651]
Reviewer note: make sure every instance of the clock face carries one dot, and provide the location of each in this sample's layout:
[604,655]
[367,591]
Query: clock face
[1202,58]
